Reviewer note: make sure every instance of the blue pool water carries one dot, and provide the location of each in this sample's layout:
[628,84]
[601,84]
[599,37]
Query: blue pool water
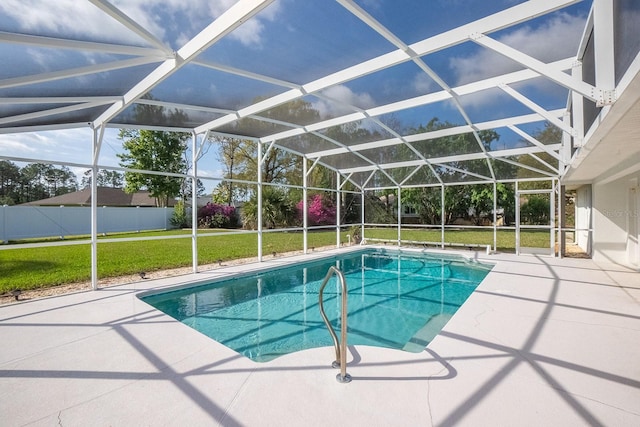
[396,299]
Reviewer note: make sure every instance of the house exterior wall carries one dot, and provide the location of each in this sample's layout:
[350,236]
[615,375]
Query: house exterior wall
[616,220]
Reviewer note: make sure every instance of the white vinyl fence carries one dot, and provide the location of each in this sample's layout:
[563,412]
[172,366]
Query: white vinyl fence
[24,222]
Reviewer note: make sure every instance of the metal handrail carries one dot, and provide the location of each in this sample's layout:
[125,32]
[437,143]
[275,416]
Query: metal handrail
[340,347]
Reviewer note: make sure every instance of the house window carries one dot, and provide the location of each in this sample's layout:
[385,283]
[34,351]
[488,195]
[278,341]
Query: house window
[409,210]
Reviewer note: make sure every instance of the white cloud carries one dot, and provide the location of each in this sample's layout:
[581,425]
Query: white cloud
[345,97]
[554,40]
[249,33]
[13,146]
[68,18]
[172,21]
[211,173]
[67,145]
[422,83]
[252,31]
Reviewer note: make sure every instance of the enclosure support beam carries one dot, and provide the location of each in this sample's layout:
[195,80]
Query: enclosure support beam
[362,217]
[603,31]
[442,216]
[194,202]
[517,195]
[399,217]
[98,134]
[259,215]
[552,217]
[305,207]
[588,91]
[338,209]
[216,30]
[562,216]
[577,112]
[495,216]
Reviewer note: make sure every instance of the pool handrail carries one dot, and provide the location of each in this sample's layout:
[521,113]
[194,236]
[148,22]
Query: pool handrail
[340,346]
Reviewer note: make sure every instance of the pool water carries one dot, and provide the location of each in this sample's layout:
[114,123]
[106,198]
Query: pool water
[396,299]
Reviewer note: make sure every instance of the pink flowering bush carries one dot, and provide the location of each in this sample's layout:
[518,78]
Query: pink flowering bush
[321,210]
[213,215]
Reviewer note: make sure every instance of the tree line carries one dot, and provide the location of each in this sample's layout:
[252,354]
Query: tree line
[34,181]
[37,181]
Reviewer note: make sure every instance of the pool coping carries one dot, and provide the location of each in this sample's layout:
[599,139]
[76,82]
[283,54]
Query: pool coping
[519,351]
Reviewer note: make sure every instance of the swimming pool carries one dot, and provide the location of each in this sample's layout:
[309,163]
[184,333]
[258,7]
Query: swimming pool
[396,299]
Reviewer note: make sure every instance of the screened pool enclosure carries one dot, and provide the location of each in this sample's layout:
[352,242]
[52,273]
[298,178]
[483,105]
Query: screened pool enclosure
[395,111]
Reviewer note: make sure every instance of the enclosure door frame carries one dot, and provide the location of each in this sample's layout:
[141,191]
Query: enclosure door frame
[551,226]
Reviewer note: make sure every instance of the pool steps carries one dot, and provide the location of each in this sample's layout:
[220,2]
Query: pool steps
[427,333]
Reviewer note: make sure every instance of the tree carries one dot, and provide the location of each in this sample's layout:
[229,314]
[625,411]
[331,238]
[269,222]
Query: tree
[550,134]
[278,165]
[454,144]
[376,209]
[155,151]
[535,211]
[186,188]
[229,153]
[9,183]
[106,178]
[427,202]
[60,180]
[482,201]
[35,181]
[41,181]
[458,199]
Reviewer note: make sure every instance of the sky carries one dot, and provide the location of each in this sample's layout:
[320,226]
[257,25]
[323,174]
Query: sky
[287,41]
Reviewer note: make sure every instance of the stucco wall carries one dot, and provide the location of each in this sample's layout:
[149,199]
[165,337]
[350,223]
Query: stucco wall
[615,220]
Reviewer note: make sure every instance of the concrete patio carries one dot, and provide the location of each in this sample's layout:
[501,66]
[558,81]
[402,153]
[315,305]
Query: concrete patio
[542,341]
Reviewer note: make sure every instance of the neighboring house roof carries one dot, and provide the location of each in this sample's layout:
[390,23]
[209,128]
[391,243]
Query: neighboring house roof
[107,196]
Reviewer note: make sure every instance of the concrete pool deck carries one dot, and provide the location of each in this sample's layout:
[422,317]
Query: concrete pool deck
[542,341]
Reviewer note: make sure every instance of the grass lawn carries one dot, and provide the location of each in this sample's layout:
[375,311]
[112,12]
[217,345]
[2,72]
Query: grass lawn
[505,239]
[32,268]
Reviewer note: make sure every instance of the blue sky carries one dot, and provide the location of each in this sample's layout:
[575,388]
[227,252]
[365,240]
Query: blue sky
[287,41]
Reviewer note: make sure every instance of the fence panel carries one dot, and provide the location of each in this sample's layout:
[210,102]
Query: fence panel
[26,222]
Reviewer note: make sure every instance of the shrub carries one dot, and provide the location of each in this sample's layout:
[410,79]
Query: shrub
[535,211]
[180,218]
[277,210]
[321,210]
[213,215]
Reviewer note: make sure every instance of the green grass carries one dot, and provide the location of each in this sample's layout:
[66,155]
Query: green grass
[505,239]
[32,268]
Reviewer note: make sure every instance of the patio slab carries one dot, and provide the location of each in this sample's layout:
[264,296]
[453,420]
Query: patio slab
[542,341]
